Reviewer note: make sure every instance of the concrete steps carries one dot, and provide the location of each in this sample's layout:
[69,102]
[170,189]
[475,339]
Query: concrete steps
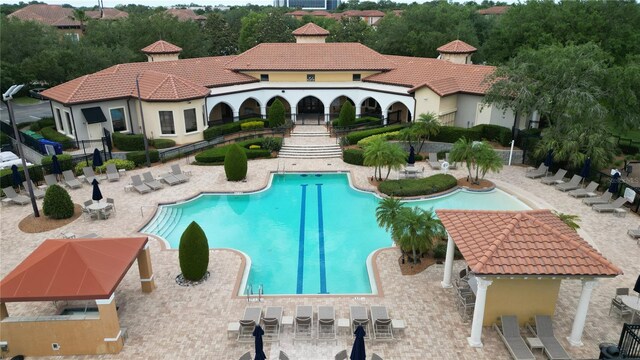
[310,142]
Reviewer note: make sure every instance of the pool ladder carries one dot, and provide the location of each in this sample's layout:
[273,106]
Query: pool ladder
[251,296]
[278,171]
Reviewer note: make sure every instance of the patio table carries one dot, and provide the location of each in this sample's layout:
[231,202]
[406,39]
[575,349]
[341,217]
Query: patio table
[633,302]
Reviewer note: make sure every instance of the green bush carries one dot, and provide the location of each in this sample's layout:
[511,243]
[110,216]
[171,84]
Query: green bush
[52,134]
[216,155]
[276,114]
[272,143]
[235,163]
[128,142]
[65,161]
[57,203]
[495,133]
[193,252]
[35,173]
[139,157]
[440,251]
[252,125]
[161,143]
[451,134]
[43,123]
[386,136]
[416,187]
[356,136]
[347,115]
[119,163]
[230,128]
[353,156]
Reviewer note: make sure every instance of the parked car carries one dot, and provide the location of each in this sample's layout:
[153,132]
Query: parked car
[35,93]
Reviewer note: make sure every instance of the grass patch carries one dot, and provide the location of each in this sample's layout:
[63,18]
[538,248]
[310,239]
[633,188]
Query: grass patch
[25,100]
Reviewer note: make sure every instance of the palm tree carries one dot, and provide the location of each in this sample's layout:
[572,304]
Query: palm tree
[462,151]
[380,153]
[427,125]
[416,229]
[387,212]
[487,159]
[569,219]
[81,16]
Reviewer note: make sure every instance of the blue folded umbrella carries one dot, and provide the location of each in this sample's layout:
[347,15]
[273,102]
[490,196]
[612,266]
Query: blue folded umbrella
[16,179]
[615,180]
[55,165]
[97,158]
[258,332]
[97,194]
[358,351]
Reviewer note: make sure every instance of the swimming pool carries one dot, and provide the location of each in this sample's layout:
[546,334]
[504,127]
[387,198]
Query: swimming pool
[306,233]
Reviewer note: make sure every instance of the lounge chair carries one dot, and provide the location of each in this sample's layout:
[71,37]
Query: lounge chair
[39,194]
[283,356]
[375,356]
[89,175]
[342,355]
[556,178]
[71,180]
[50,179]
[602,199]
[452,164]
[589,191]
[303,323]
[510,335]
[537,173]
[381,323]
[617,204]
[573,184]
[138,185]
[326,323]
[151,182]
[358,315]
[177,172]
[248,322]
[634,233]
[112,173]
[433,161]
[544,332]
[272,320]
[170,179]
[246,356]
[10,193]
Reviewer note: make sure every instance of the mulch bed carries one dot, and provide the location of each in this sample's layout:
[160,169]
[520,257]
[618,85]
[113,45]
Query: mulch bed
[31,224]
[484,184]
[408,268]
[180,280]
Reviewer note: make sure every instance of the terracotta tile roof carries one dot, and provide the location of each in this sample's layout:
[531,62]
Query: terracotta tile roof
[532,242]
[494,10]
[443,77]
[107,14]
[161,47]
[372,13]
[157,86]
[310,29]
[320,57]
[456,47]
[56,15]
[297,13]
[398,12]
[185,14]
[118,81]
[320,13]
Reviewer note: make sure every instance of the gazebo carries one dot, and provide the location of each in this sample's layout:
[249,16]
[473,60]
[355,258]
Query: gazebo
[71,269]
[519,259]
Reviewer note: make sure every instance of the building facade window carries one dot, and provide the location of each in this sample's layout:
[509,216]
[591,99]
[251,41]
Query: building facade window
[72,36]
[58,117]
[118,120]
[190,121]
[67,117]
[167,127]
[311,77]
[356,77]
[264,77]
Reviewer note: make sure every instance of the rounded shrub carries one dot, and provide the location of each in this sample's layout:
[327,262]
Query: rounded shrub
[235,163]
[57,203]
[139,157]
[193,252]
[353,156]
[276,114]
[128,142]
[347,114]
[162,143]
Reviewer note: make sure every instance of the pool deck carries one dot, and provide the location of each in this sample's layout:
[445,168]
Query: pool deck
[174,321]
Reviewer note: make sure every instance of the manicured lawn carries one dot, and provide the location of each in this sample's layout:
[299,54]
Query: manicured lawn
[25,100]
[634,134]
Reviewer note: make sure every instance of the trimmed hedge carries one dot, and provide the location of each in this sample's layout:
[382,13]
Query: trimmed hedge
[276,114]
[629,149]
[235,163]
[65,161]
[386,136]
[193,252]
[161,143]
[353,156]
[230,128]
[356,136]
[139,157]
[217,154]
[52,134]
[35,173]
[128,142]
[416,187]
[347,115]
[43,123]
[57,203]
[119,163]
[451,134]
[252,125]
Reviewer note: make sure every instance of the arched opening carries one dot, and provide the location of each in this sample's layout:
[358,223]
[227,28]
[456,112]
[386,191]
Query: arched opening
[370,107]
[336,106]
[249,108]
[220,114]
[398,113]
[310,110]
[287,106]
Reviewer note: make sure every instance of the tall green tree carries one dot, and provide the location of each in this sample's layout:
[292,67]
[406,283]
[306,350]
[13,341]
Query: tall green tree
[260,28]
[193,252]
[347,114]
[387,212]
[462,151]
[425,126]
[276,114]
[221,40]
[350,29]
[416,229]
[80,16]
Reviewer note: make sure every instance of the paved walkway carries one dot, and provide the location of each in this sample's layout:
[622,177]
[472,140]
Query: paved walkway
[175,322]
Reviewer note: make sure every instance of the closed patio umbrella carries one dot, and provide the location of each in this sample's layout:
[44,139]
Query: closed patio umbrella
[586,169]
[548,160]
[258,332]
[358,351]
[412,156]
[97,159]
[615,179]
[637,287]
[55,166]
[16,179]
[97,194]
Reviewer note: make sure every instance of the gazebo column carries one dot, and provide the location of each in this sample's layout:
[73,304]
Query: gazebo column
[110,324]
[448,264]
[145,269]
[3,311]
[475,340]
[575,339]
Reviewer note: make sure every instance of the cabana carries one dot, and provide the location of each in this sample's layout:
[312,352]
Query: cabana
[518,259]
[65,270]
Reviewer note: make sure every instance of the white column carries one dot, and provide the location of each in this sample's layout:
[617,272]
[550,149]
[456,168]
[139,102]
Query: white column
[358,111]
[575,339]
[327,114]
[448,264]
[236,116]
[475,340]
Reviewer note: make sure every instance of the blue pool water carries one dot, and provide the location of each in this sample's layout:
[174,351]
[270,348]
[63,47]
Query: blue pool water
[307,233]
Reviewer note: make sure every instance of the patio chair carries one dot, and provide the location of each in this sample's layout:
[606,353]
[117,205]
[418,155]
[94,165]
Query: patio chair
[272,320]
[509,332]
[248,322]
[39,194]
[50,179]
[86,213]
[303,323]
[112,173]
[602,199]
[433,161]
[151,182]
[622,291]
[10,193]
[573,184]
[375,356]
[452,165]
[170,179]
[326,323]
[618,307]
[617,204]
[466,303]
[342,355]
[177,172]
[589,191]
[358,315]
[71,180]
[556,178]
[381,321]
[89,175]
[283,356]
[537,173]
[112,205]
[544,331]
[246,356]
[635,234]
[138,185]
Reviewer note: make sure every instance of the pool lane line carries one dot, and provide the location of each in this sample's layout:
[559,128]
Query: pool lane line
[323,272]
[303,205]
